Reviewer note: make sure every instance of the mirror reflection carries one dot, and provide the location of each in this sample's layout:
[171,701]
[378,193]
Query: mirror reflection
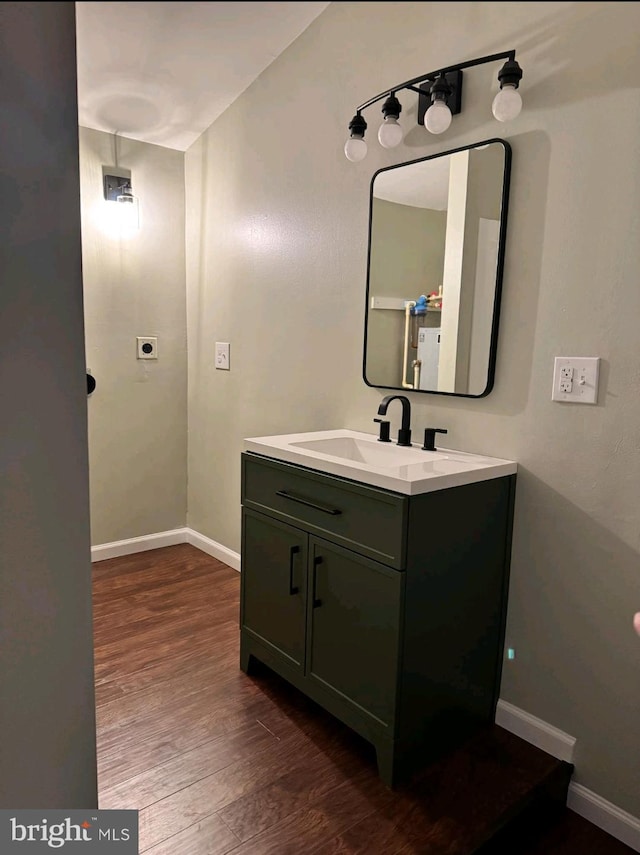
[435,269]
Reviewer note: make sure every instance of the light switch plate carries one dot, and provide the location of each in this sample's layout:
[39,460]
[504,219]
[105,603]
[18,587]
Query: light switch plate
[222,355]
[575,378]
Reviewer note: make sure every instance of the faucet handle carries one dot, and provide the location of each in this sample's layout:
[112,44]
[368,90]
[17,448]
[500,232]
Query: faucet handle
[430,438]
[385,428]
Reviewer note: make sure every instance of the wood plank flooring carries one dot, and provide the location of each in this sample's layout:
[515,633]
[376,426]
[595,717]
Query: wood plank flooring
[218,762]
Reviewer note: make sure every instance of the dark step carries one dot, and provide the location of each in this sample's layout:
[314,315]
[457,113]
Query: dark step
[557,831]
[466,799]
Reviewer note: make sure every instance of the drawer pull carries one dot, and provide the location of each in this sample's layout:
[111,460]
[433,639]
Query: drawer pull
[327,509]
[293,589]
[317,560]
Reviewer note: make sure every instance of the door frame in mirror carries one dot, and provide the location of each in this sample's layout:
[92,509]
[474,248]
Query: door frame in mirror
[499,266]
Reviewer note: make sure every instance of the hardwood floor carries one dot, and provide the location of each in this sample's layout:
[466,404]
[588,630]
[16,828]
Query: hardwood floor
[218,762]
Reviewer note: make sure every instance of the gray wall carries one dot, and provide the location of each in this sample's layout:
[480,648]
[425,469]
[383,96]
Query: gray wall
[135,286]
[277,221]
[47,719]
[407,255]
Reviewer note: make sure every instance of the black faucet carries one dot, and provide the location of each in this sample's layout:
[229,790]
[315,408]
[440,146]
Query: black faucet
[404,434]
[430,438]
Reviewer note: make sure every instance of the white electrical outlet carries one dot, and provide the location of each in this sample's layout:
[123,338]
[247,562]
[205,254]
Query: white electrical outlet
[575,378]
[222,355]
[566,383]
[147,346]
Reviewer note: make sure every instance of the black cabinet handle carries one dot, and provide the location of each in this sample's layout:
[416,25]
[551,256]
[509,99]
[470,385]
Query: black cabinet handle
[326,509]
[293,551]
[316,561]
[91,383]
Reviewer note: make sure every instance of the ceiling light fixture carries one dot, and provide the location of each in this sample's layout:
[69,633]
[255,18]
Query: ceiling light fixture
[439,99]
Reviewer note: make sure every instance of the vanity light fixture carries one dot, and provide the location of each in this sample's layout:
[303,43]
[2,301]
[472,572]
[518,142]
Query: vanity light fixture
[508,102]
[391,133]
[439,99]
[355,147]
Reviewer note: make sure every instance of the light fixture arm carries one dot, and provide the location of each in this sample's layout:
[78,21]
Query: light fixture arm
[431,76]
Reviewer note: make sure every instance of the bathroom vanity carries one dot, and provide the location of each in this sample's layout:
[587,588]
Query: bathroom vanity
[374,579]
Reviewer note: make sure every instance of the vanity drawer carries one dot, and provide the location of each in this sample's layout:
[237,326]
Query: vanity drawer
[367,520]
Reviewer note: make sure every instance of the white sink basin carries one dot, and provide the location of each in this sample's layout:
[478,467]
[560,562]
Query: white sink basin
[365,450]
[360,457]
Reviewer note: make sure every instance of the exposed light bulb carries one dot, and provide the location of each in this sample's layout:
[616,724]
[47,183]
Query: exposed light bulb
[390,133]
[437,118]
[507,103]
[119,220]
[355,149]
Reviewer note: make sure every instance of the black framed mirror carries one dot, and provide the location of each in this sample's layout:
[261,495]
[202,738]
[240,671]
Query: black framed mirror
[437,228]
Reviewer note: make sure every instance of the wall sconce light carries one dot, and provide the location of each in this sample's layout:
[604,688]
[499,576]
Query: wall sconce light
[439,99]
[117,188]
[121,217]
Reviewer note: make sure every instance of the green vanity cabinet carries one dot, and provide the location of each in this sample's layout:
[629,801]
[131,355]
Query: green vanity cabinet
[386,609]
[354,629]
[275,585]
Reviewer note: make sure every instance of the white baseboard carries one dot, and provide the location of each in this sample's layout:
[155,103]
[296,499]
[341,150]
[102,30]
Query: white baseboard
[536,731]
[605,815]
[138,544]
[166,538]
[213,548]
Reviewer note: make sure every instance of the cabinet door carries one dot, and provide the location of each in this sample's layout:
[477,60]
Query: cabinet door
[354,628]
[274,580]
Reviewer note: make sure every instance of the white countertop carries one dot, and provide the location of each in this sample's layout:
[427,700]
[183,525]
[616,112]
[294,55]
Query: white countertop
[361,457]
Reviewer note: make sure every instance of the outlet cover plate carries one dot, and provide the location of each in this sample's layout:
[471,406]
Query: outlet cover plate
[147,346]
[575,378]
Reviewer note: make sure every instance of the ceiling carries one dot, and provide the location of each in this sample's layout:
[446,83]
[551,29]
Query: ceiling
[163,72]
[424,184]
